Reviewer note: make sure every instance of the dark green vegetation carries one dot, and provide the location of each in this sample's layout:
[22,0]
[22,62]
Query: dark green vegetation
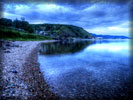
[12,34]
[60,31]
[22,30]
[18,24]
[18,30]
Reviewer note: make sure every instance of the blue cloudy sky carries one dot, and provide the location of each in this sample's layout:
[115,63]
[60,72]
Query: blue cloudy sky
[99,17]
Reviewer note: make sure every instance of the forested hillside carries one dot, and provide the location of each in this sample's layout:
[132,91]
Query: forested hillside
[22,29]
[63,31]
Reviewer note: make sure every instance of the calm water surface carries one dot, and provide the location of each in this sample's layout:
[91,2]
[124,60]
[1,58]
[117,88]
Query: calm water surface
[94,70]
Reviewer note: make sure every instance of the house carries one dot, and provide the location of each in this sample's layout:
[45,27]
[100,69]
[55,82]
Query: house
[41,32]
[99,38]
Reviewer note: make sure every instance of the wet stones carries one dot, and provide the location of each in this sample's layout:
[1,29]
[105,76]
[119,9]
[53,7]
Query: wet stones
[6,45]
[7,51]
[14,71]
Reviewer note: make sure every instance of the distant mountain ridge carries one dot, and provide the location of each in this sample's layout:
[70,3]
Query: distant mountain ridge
[109,36]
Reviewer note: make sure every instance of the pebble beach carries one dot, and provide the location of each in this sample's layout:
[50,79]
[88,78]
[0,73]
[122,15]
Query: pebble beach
[20,75]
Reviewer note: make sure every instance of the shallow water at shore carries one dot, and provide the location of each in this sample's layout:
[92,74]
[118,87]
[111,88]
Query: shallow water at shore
[87,69]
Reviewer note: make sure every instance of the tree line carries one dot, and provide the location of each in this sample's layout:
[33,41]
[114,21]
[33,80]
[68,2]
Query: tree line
[20,24]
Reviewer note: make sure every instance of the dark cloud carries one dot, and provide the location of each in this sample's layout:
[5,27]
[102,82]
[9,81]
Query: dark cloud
[68,1]
[84,13]
[99,14]
[94,15]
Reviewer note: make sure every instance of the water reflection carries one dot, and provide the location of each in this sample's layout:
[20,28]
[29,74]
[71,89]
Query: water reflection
[84,71]
[63,47]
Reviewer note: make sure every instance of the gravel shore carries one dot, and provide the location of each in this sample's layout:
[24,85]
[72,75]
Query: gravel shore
[20,75]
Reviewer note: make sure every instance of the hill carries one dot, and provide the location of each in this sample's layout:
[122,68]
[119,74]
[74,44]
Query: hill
[14,28]
[61,31]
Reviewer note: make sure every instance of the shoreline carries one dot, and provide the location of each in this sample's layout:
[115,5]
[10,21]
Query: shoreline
[20,72]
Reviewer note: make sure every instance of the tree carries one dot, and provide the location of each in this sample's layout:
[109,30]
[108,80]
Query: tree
[17,23]
[5,22]
[21,24]
[30,29]
[22,19]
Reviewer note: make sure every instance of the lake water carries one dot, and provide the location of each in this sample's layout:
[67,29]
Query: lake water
[94,70]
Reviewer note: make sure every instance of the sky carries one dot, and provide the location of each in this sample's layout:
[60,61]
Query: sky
[109,18]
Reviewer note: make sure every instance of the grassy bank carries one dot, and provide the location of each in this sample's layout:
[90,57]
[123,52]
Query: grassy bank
[8,33]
